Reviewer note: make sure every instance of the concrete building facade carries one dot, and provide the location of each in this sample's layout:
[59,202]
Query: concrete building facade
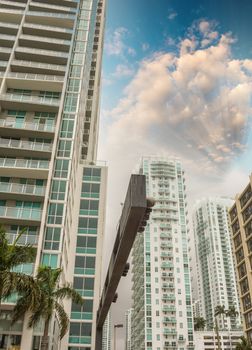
[50,68]
[241,223]
[215,266]
[162,308]
[207,340]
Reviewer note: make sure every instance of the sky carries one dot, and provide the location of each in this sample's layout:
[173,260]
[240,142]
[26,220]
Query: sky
[176,81]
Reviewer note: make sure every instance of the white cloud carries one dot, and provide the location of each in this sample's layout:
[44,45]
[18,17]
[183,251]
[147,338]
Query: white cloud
[115,43]
[145,46]
[172,15]
[200,97]
[122,70]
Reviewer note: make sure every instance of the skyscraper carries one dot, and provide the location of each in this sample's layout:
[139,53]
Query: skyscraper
[215,265]
[50,65]
[162,308]
[241,223]
[128,326]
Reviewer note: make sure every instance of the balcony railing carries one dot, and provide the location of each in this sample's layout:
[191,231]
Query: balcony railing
[26,125]
[24,163]
[22,188]
[30,99]
[20,213]
[45,39]
[30,76]
[32,64]
[39,52]
[49,28]
[28,145]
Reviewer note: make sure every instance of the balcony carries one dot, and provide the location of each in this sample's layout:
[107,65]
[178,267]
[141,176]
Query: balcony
[21,191]
[41,42]
[5,53]
[38,55]
[15,148]
[29,103]
[16,215]
[48,31]
[40,6]
[34,169]
[7,40]
[37,67]
[11,16]
[8,28]
[25,129]
[51,18]
[31,81]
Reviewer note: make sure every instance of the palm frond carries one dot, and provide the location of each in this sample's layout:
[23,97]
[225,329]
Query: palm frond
[21,307]
[22,255]
[69,293]
[62,318]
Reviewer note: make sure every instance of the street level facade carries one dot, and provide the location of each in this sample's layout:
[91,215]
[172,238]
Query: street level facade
[207,340]
[214,260]
[241,222]
[50,182]
[162,307]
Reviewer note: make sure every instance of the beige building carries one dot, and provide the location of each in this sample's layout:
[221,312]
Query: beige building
[207,340]
[241,222]
[50,182]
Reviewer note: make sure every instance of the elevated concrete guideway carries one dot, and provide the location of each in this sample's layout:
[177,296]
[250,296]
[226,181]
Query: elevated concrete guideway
[134,216]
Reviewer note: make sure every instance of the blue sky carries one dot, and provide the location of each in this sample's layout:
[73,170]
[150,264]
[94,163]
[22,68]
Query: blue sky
[152,22]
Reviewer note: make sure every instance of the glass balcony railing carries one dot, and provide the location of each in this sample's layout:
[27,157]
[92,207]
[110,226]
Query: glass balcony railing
[51,14]
[27,145]
[24,163]
[26,125]
[39,65]
[30,76]
[30,99]
[20,213]
[22,188]
[45,39]
[40,52]
[49,28]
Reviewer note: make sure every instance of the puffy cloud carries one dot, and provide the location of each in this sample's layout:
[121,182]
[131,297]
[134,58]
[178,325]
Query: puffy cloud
[200,97]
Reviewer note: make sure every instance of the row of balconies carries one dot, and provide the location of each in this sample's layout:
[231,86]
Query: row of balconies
[29,103]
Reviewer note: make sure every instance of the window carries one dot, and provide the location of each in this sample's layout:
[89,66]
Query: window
[86,244]
[88,225]
[50,260]
[55,213]
[52,238]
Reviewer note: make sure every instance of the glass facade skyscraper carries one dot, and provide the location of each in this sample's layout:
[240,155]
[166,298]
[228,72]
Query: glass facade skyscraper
[50,67]
[162,308]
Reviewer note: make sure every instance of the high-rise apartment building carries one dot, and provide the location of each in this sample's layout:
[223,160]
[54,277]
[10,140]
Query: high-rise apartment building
[162,307]
[128,326]
[215,265]
[241,223]
[107,333]
[50,67]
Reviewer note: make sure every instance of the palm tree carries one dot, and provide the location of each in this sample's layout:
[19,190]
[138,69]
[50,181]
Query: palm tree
[50,300]
[219,310]
[232,312]
[12,255]
[244,344]
[199,323]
